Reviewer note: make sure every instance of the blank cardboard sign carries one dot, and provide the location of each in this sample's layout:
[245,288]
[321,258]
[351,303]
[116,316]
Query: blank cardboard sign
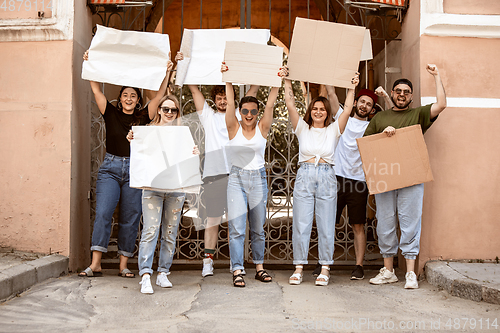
[395,162]
[251,63]
[325,52]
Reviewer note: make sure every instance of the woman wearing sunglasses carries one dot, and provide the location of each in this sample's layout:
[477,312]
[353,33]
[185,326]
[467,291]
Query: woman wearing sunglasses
[247,185]
[315,189]
[160,209]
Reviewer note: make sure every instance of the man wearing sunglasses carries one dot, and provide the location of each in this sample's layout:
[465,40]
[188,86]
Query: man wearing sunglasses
[404,203]
[216,168]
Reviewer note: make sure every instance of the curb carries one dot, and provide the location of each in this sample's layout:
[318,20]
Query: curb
[21,277]
[441,275]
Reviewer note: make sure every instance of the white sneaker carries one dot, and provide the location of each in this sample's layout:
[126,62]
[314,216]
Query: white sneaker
[162,280]
[145,283]
[411,280]
[208,267]
[385,276]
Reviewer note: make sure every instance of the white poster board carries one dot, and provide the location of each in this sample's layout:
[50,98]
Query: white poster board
[161,158]
[366,51]
[325,52]
[250,63]
[127,58]
[203,52]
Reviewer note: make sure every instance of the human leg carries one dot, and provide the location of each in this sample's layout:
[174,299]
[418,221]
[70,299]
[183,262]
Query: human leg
[325,206]
[409,203]
[152,205]
[237,216]
[303,210]
[172,209]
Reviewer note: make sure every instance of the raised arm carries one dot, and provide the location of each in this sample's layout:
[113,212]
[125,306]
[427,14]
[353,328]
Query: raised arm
[440,104]
[100,99]
[387,99]
[232,123]
[349,102]
[153,104]
[290,104]
[267,119]
[333,99]
[252,91]
[198,98]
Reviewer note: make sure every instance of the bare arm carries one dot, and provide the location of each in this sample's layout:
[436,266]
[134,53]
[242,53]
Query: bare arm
[267,119]
[387,99]
[198,98]
[440,104]
[100,99]
[290,104]
[333,99]
[154,103]
[349,102]
[252,91]
[231,120]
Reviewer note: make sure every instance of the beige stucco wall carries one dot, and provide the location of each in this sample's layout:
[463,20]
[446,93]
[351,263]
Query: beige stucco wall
[460,219]
[35,131]
[45,133]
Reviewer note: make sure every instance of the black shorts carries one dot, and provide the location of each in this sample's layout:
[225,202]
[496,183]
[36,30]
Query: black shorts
[214,195]
[354,194]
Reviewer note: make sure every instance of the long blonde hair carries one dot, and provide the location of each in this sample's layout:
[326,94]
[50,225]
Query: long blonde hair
[177,121]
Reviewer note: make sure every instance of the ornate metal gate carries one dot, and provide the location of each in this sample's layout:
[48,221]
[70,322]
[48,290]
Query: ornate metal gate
[281,159]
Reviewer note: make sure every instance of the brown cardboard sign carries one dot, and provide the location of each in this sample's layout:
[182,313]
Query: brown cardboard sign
[395,162]
[325,52]
[251,63]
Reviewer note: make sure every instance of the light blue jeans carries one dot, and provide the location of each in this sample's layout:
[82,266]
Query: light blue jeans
[404,204]
[246,195]
[159,209]
[315,191]
[112,187]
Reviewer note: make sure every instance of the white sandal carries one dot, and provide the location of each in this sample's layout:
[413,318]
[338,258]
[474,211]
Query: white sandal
[296,278]
[322,280]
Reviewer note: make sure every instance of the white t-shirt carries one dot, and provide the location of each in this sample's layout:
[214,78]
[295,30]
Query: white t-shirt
[317,142]
[216,138]
[347,159]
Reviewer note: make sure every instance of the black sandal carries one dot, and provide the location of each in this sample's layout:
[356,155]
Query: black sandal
[238,278]
[262,275]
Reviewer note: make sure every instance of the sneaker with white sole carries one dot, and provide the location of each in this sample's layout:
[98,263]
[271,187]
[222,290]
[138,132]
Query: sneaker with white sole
[145,283]
[163,281]
[385,276]
[208,267]
[411,280]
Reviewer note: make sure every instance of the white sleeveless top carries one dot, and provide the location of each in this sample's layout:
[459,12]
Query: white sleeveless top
[247,154]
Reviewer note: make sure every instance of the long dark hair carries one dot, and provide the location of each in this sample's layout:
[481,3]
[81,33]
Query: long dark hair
[139,111]
[328,107]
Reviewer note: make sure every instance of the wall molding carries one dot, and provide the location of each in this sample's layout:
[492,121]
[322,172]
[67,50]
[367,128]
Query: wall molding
[57,27]
[465,102]
[434,22]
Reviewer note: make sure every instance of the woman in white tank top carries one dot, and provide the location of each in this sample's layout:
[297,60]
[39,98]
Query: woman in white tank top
[247,184]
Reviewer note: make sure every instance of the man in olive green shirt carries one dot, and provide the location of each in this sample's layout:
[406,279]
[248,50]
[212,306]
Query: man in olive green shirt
[404,203]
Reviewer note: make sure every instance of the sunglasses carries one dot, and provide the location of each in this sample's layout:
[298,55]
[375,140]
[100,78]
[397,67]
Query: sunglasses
[169,110]
[254,112]
[405,92]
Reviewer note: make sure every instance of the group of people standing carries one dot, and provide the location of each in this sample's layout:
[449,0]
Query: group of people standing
[329,177]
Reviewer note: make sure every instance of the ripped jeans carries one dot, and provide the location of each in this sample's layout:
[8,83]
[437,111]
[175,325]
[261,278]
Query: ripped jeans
[159,209]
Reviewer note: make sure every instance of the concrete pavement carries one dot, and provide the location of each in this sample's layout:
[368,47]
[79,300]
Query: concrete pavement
[195,304]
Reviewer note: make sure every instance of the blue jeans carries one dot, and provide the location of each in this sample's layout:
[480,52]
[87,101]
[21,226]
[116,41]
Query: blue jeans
[405,204]
[112,187]
[246,195]
[159,208]
[315,191]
